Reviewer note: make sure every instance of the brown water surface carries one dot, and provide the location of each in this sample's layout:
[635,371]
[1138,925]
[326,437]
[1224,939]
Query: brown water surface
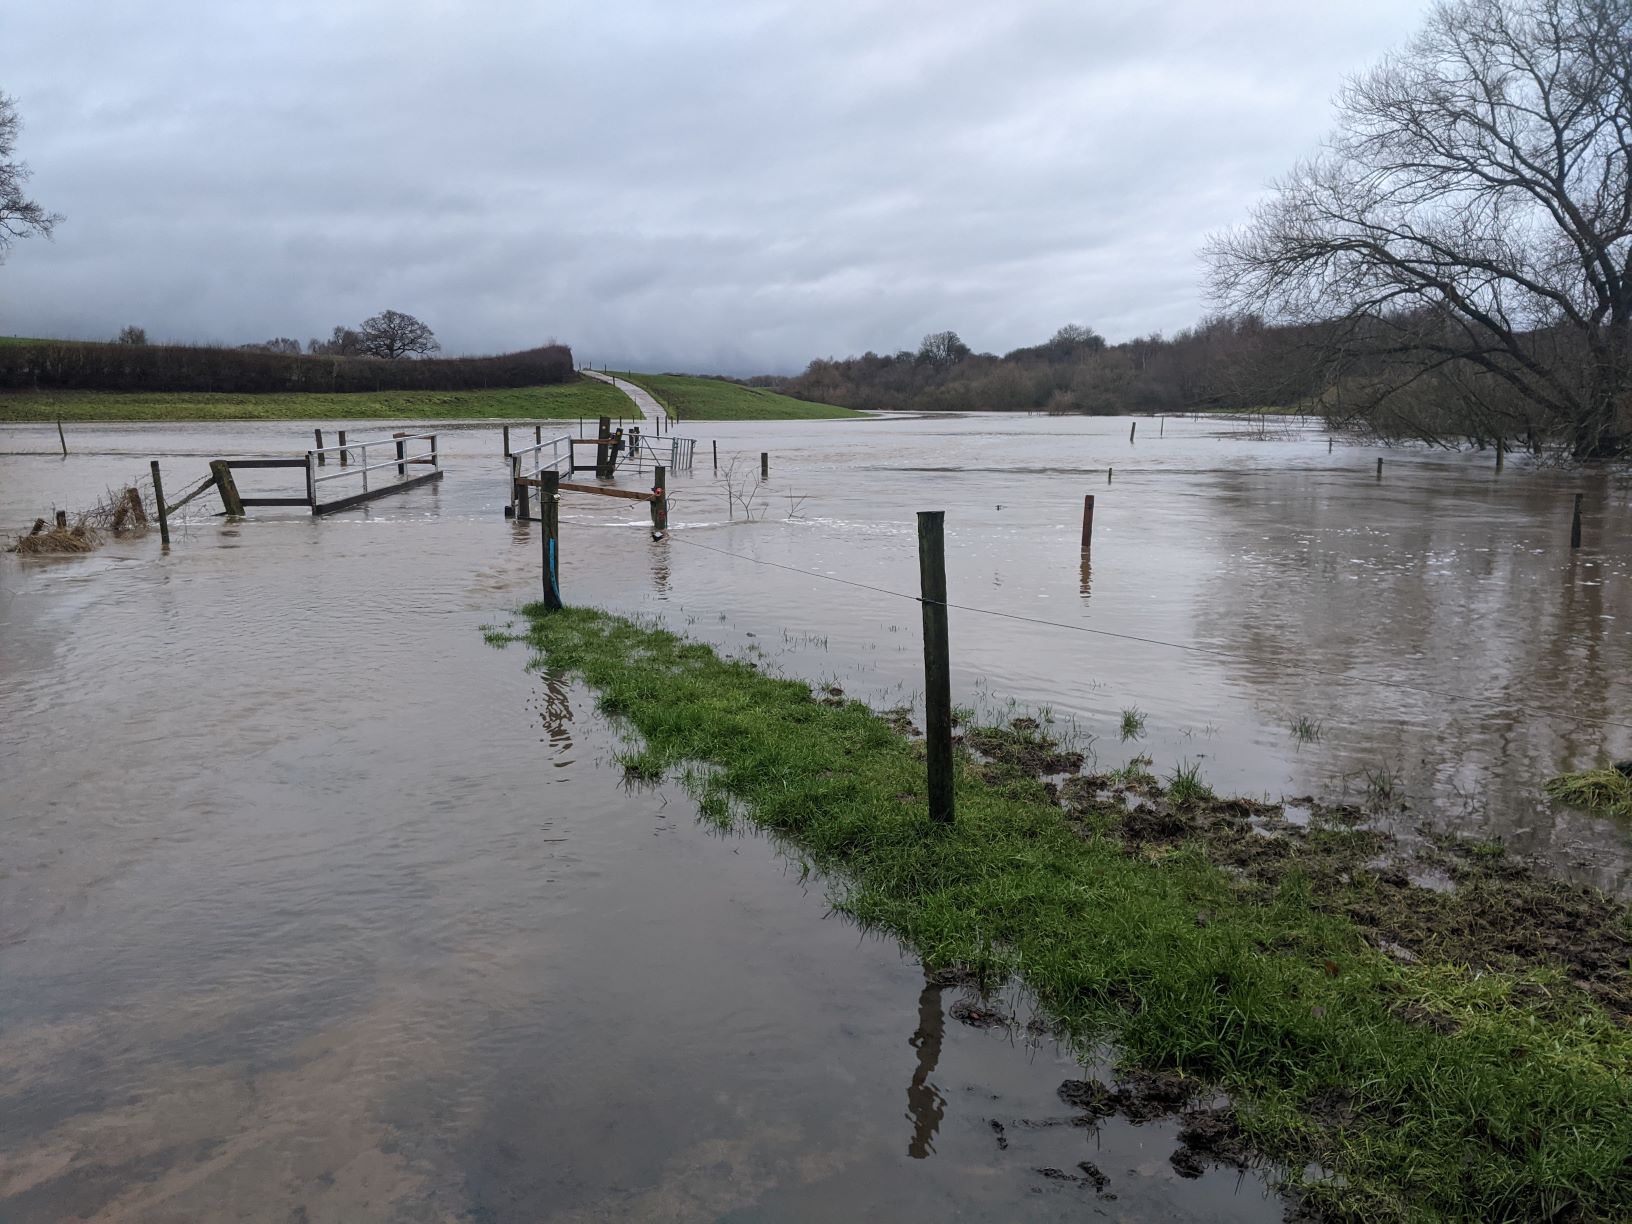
[315,907]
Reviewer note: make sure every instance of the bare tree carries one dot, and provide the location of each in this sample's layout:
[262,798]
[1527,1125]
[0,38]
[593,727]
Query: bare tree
[392,334]
[1468,227]
[942,349]
[132,335]
[343,342]
[19,216]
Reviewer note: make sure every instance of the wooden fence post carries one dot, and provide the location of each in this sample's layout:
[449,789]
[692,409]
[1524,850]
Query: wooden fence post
[1131,428]
[603,452]
[549,510]
[62,520]
[937,663]
[538,434]
[1575,524]
[345,456]
[764,465]
[1379,467]
[229,487]
[158,496]
[321,459]
[660,504]
[507,441]
[1087,521]
[402,453]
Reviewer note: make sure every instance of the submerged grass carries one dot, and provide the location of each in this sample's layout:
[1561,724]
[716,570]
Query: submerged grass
[1423,1090]
[1599,790]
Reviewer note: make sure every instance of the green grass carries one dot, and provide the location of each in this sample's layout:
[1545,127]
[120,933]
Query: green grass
[1426,1090]
[1597,790]
[711,399]
[585,398]
[1133,723]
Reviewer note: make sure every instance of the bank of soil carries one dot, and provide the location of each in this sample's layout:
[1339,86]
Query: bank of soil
[1429,1031]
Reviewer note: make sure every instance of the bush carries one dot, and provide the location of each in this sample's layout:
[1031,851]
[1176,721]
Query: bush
[70,365]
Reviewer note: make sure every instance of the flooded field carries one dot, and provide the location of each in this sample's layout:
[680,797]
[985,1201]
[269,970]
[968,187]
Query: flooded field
[315,907]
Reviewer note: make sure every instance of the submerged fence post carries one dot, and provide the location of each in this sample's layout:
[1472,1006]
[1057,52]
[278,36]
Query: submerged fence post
[345,455]
[158,496]
[937,663]
[402,453]
[1131,429]
[1501,454]
[716,456]
[660,503]
[507,441]
[549,510]
[318,434]
[1087,521]
[228,487]
[1575,524]
[764,465]
[1379,467]
[603,452]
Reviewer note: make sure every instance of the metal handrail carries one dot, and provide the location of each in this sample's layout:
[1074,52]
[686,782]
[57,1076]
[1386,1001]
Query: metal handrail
[362,469]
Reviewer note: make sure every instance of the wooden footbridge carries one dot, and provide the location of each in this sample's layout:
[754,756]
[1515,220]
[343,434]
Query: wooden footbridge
[349,474]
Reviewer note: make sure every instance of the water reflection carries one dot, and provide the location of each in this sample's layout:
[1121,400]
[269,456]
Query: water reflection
[1086,587]
[556,713]
[925,1104]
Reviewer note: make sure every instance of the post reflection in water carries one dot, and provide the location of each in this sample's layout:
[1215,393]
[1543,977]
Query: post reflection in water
[660,567]
[925,1104]
[557,713]
[1086,587]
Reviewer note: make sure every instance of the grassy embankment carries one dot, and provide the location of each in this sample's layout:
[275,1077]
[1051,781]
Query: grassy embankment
[1472,1076]
[584,398]
[711,399]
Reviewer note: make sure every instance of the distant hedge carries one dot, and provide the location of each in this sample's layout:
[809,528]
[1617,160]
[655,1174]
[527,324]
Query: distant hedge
[71,365]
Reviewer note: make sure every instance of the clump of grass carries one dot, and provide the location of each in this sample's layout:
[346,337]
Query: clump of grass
[1133,723]
[1184,784]
[43,541]
[1598,790]
[1306,730]
[1491,1095]
[1135,773]
[1381,783]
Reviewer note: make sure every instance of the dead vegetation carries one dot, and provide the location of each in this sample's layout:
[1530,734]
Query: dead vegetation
[117,512]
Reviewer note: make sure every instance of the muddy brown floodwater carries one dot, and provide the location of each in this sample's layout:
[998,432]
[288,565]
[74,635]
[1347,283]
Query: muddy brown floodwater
[314,907]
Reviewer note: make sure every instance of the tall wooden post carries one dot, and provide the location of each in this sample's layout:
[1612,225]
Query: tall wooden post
[1501,454]
[549,511]
[660,503]
[227,487]
[1575,524]
[1131,428]
[158,496]
[1379,467]
[318,434]
[402,453]
[1087,521]
[937,663]
[764,465]
[603,452]
[60,438]
[716,444]
[345,456]
[538,434]
[507,441]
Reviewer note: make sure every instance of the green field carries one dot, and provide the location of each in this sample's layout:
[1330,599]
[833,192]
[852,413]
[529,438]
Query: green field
[585,398]
[711,399]
[1465,1080]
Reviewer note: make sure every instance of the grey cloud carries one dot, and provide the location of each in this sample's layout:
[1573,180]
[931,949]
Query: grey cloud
[740,186]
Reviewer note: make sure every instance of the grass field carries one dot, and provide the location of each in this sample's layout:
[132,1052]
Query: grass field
[1390,1087]
[585,398]
[711,399]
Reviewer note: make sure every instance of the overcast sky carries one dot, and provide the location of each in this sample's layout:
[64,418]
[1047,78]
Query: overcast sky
[709,185]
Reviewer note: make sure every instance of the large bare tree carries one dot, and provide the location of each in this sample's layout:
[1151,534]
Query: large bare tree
[19,216]
[392,334]
[1465,235]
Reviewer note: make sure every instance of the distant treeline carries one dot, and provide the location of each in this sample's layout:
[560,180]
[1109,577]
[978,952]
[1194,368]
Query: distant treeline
[1225,363]
[71,365]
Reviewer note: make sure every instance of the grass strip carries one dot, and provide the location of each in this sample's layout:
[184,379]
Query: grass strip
[1422,1090]
[568,401]
[692,398]
[1597,790]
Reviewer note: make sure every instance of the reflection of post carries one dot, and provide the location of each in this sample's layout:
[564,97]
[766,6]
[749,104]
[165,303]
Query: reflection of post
[557,710]
[925,1104]
[1087,578]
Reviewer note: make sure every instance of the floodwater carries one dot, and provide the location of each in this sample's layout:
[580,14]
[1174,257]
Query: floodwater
[314,907]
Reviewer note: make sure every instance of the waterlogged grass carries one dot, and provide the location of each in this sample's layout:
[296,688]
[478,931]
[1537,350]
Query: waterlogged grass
[569,401]
[1597,790]
[1423,1090]
[689,398]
